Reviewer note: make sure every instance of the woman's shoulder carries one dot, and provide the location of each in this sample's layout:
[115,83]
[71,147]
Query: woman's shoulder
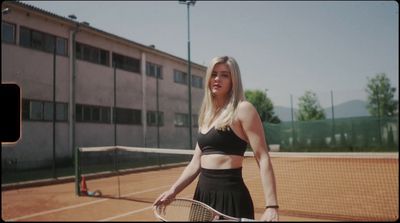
[245,105]
[245,108]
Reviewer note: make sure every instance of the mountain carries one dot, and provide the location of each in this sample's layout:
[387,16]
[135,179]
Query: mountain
[353,108]
[284,113]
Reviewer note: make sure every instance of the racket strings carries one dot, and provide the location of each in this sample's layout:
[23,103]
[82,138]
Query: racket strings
[196,211]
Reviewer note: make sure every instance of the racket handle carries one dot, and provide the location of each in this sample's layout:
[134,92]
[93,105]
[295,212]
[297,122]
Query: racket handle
[246,219]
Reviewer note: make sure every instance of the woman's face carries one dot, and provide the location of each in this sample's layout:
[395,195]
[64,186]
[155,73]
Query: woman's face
[220,81]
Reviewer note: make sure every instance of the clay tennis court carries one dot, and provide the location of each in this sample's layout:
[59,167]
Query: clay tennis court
[299,196]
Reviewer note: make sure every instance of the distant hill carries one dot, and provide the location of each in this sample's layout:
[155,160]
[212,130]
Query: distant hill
[353,108]
[284,113]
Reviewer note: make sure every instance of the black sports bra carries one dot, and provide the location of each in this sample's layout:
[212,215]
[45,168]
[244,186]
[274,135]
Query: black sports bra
[221,142]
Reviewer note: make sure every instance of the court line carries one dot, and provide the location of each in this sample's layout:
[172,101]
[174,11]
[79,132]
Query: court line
[135,211]
[79,205]
[126,214]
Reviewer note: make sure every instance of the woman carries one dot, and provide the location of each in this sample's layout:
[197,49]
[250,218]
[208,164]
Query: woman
[227,123]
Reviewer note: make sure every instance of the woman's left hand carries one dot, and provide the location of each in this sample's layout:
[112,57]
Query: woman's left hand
[270,214]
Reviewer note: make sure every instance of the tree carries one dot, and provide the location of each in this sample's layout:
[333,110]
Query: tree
[380,101]
[263,105]
[309,108]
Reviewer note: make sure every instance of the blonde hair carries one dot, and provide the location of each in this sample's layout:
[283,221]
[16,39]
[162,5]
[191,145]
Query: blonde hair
[208,111]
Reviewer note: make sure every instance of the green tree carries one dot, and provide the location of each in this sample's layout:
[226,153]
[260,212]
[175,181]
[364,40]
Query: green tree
[263,104]
[309,108]
[380,101]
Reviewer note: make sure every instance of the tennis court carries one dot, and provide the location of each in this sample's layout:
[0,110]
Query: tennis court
[306,192]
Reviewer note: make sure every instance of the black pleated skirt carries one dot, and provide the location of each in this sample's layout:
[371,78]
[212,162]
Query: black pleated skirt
[225,191]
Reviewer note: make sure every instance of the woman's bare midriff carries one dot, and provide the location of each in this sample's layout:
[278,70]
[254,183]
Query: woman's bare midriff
[221,161]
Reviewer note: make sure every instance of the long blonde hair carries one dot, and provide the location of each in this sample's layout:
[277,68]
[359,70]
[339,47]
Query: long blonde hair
[208,111]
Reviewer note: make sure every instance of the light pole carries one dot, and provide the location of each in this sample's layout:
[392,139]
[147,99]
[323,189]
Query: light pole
[188,3]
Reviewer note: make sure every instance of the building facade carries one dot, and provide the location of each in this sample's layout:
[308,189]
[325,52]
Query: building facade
[104,89]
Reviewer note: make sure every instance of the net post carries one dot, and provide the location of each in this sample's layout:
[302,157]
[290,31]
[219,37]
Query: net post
[116,168]
[77,172]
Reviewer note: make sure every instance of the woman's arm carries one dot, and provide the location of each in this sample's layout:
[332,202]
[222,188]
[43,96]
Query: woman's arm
[188,175]
[254,131]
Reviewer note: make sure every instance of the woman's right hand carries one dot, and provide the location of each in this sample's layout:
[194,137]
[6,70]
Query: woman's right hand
[165,197]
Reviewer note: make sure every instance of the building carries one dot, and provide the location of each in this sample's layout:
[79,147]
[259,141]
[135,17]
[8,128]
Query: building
[147,82]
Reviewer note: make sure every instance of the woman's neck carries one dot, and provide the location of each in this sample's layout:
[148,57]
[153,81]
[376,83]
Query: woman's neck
[219,103]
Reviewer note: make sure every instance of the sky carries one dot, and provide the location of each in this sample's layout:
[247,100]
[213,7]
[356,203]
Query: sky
[283,47]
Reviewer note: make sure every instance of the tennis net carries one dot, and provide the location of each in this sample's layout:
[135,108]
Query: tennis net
[332,186]
[337,186]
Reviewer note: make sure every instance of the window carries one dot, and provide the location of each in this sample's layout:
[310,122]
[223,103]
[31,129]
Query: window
[24,37]
[197,81]
[87,114]
[42,41]
[92,54]
[36,110]
[126,63]
[43,110]
[25,109]
[154,70]
[180,77]
[100,114]
[181,120]
[48,111]
[90,113]
[96,114]
[78,113]
[7,32]
[128,116]
[104,57]
[61,46]
[152,118]
[49,43]
[37,41]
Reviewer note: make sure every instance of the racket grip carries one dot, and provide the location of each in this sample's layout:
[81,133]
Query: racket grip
[246,219]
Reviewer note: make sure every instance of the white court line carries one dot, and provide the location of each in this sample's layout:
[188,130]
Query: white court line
[126,214]
[133,212]
[78,205]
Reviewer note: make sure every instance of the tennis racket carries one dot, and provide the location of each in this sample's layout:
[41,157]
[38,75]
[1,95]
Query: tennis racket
[181,209]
